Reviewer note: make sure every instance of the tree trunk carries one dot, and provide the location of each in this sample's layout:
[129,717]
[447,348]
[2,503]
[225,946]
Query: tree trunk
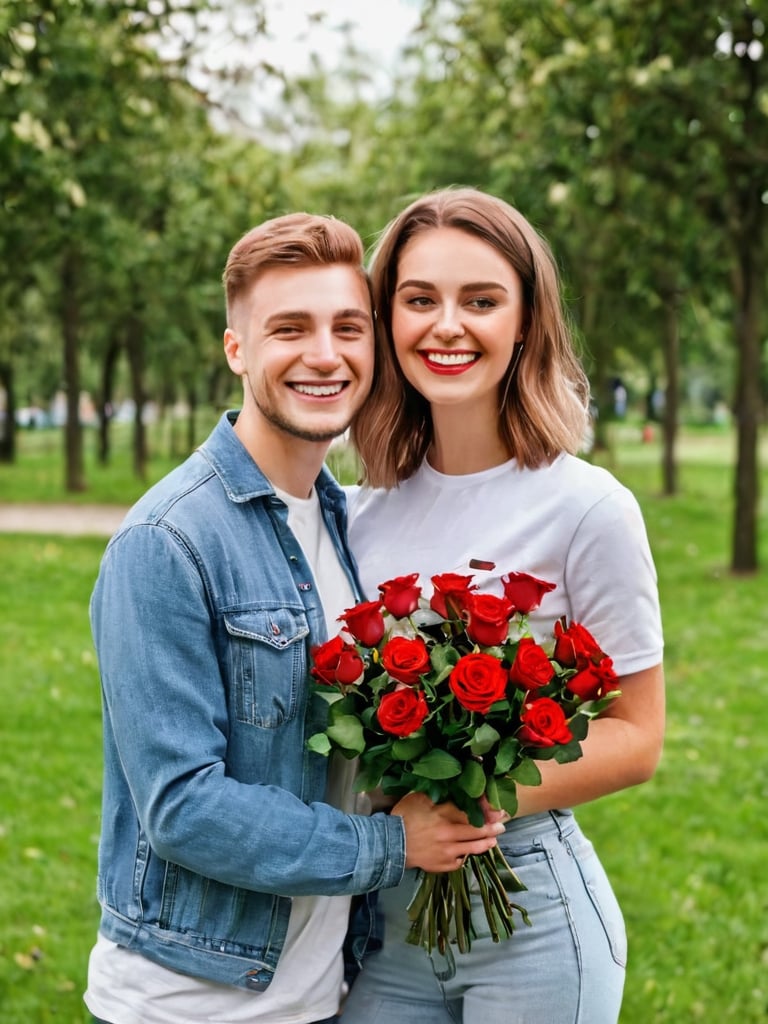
[74,473]
[191,419]
[8,425]
[135,348]
[671,345]
[106,408]
[749,290]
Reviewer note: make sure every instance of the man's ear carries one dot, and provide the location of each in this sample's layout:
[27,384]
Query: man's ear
[232,351]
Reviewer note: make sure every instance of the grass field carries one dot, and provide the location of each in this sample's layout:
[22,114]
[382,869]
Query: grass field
[686,852]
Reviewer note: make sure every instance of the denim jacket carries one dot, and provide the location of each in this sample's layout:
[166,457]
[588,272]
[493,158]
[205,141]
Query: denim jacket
[203,615]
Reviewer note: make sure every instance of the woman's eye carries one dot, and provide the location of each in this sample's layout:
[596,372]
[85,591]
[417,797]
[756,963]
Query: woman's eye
[420,301]
[482,302]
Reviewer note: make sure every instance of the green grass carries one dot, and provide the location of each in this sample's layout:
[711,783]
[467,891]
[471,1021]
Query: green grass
[50,777]
[37,475]
[686,852]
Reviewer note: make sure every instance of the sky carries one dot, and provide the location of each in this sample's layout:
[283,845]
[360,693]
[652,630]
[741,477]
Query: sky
[297,28]
[380,26]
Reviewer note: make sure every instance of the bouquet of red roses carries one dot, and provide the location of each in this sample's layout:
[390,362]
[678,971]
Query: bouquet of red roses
[454,698]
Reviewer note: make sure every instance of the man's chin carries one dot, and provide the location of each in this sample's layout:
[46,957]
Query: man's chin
[318,434]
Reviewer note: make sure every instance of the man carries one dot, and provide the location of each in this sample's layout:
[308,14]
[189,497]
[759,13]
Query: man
[223,876]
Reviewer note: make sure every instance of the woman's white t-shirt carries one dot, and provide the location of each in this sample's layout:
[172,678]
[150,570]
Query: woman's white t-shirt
[570,523]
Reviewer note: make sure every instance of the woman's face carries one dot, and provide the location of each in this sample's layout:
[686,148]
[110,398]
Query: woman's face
[457,312]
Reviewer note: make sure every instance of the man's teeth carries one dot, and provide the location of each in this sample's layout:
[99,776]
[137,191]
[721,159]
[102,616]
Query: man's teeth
[452,358]
[318,390]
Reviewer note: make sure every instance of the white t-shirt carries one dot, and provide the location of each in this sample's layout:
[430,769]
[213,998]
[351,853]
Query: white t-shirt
[125,987]
[570,523]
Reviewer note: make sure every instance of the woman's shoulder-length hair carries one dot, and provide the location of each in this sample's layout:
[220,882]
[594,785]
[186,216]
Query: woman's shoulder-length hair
[544,396]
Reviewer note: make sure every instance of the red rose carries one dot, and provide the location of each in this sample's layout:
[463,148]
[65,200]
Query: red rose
[524,591]
[449,595]
[544,724]
[402,711]
[575,646]
[487,618]
[477,681]
[531,668]
[405,659]
[336,662]
[365,622]
[594,681]
[401,595]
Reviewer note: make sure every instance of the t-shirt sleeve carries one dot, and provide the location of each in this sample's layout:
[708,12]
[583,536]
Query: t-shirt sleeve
[611,580]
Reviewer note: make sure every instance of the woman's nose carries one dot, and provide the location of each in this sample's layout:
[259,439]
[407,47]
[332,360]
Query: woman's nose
[448,324]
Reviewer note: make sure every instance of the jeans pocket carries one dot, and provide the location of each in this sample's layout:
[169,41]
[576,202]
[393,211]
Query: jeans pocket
[602,897]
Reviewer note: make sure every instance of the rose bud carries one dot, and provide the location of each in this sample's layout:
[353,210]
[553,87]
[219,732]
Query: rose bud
[594,681]
[544,724]
[450,591]
[487,618]
[401,595]
[336,662]
[524,591]
[531,667]
[575,646]
[365,622]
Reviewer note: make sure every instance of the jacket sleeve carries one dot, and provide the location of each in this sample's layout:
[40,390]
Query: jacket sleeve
[166,719]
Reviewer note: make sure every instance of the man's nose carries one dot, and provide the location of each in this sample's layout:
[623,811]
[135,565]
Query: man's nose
[323,352]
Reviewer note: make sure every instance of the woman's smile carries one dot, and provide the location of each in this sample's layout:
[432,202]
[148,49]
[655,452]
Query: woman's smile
[448,362]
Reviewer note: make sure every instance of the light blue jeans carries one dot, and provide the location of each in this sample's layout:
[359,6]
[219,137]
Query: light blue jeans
[567,968]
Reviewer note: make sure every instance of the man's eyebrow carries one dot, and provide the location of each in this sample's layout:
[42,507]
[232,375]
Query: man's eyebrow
[304,315]
[353,313]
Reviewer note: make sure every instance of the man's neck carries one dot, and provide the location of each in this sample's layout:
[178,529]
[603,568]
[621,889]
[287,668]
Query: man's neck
[288,462]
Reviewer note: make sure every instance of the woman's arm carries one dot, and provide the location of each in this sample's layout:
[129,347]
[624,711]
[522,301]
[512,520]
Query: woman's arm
[622,749]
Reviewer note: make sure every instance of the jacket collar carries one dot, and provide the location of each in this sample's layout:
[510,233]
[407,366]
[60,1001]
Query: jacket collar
[240,475]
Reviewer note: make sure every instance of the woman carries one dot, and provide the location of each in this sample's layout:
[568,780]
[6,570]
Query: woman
[469,443]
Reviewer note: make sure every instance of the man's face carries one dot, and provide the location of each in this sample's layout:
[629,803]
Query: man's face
[302,340]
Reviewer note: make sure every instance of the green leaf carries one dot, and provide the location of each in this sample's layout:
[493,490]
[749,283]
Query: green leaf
[579,726]
[347,732]
[443,657]
[472,779]
[319,744]
[437,764]
[506,755]
[329,696]
[506,796]
[568,752]
[526,773]
[484,738]
[409,748]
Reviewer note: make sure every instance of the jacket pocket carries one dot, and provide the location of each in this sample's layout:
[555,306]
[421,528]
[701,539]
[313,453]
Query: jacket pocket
[267,662]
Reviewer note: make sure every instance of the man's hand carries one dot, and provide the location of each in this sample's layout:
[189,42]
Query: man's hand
[438,837]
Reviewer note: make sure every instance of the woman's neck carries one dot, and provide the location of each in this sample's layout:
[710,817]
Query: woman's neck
[464,442]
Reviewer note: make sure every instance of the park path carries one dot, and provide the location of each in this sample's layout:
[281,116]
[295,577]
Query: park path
[73,520]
